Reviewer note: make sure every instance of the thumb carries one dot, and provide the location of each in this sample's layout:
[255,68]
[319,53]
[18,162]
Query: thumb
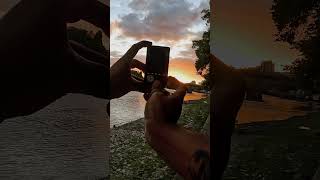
[156,85]
[179,93]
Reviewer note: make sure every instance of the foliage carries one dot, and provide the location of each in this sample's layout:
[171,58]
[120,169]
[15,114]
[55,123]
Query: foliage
[206,83]
[202,48]
[88,39]
[298,23]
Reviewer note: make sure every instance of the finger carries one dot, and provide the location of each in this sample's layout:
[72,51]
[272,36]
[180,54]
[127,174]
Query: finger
[138,85]
[138,64]
[179,93]
[220,68]
[157,88]
[156,85]
[173,83]
[132,52]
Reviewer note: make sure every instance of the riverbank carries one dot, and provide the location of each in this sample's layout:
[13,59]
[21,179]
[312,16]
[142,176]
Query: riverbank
[130,107]
[133,158]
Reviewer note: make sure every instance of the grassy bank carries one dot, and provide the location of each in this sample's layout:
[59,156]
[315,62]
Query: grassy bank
[132,158]
[281,150]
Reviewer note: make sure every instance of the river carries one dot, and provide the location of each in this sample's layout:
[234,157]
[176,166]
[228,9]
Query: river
[131,107]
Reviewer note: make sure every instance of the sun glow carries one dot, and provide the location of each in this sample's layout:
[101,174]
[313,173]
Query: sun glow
[184,71]
[182,76]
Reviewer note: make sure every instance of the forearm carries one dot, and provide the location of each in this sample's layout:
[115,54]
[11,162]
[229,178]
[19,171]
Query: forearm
[176,145]
[221,141]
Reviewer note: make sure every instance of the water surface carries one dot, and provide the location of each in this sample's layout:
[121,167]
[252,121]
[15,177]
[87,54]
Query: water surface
[131,107]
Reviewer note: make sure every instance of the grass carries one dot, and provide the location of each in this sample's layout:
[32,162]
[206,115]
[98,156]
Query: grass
[276,150]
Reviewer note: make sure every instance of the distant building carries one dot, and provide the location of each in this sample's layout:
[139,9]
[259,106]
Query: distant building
[267,67]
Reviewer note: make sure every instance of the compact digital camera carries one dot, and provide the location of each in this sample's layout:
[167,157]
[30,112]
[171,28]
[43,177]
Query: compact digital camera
[157,64]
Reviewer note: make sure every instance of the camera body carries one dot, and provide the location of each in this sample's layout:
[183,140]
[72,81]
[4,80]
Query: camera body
[157,65]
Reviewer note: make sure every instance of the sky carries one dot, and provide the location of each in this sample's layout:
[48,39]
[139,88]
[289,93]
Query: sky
[173,23]
[243,34]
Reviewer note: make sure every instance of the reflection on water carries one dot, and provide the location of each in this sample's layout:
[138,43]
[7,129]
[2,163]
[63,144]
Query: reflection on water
[194,96]
[131,107]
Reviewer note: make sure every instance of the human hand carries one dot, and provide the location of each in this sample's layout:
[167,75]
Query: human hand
[120,73]
[173,83]
[163,108]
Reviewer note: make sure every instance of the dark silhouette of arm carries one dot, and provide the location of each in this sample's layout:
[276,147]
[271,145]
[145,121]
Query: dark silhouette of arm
[226,99]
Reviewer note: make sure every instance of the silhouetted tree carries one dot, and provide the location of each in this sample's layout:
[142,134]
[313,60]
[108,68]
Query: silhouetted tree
[202,49]
[298,23]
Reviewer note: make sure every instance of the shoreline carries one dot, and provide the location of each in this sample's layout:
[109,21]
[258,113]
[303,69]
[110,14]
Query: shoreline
[186,102]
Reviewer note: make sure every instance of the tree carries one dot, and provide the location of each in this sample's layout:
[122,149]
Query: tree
[202,49]
[298,24]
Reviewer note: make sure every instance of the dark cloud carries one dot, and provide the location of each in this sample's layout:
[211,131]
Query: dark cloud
[160,20]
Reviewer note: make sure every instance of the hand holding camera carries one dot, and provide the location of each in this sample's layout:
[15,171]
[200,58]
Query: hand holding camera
[156,68]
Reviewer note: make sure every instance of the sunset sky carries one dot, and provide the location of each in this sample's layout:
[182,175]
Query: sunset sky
[243,34]
[173,23]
